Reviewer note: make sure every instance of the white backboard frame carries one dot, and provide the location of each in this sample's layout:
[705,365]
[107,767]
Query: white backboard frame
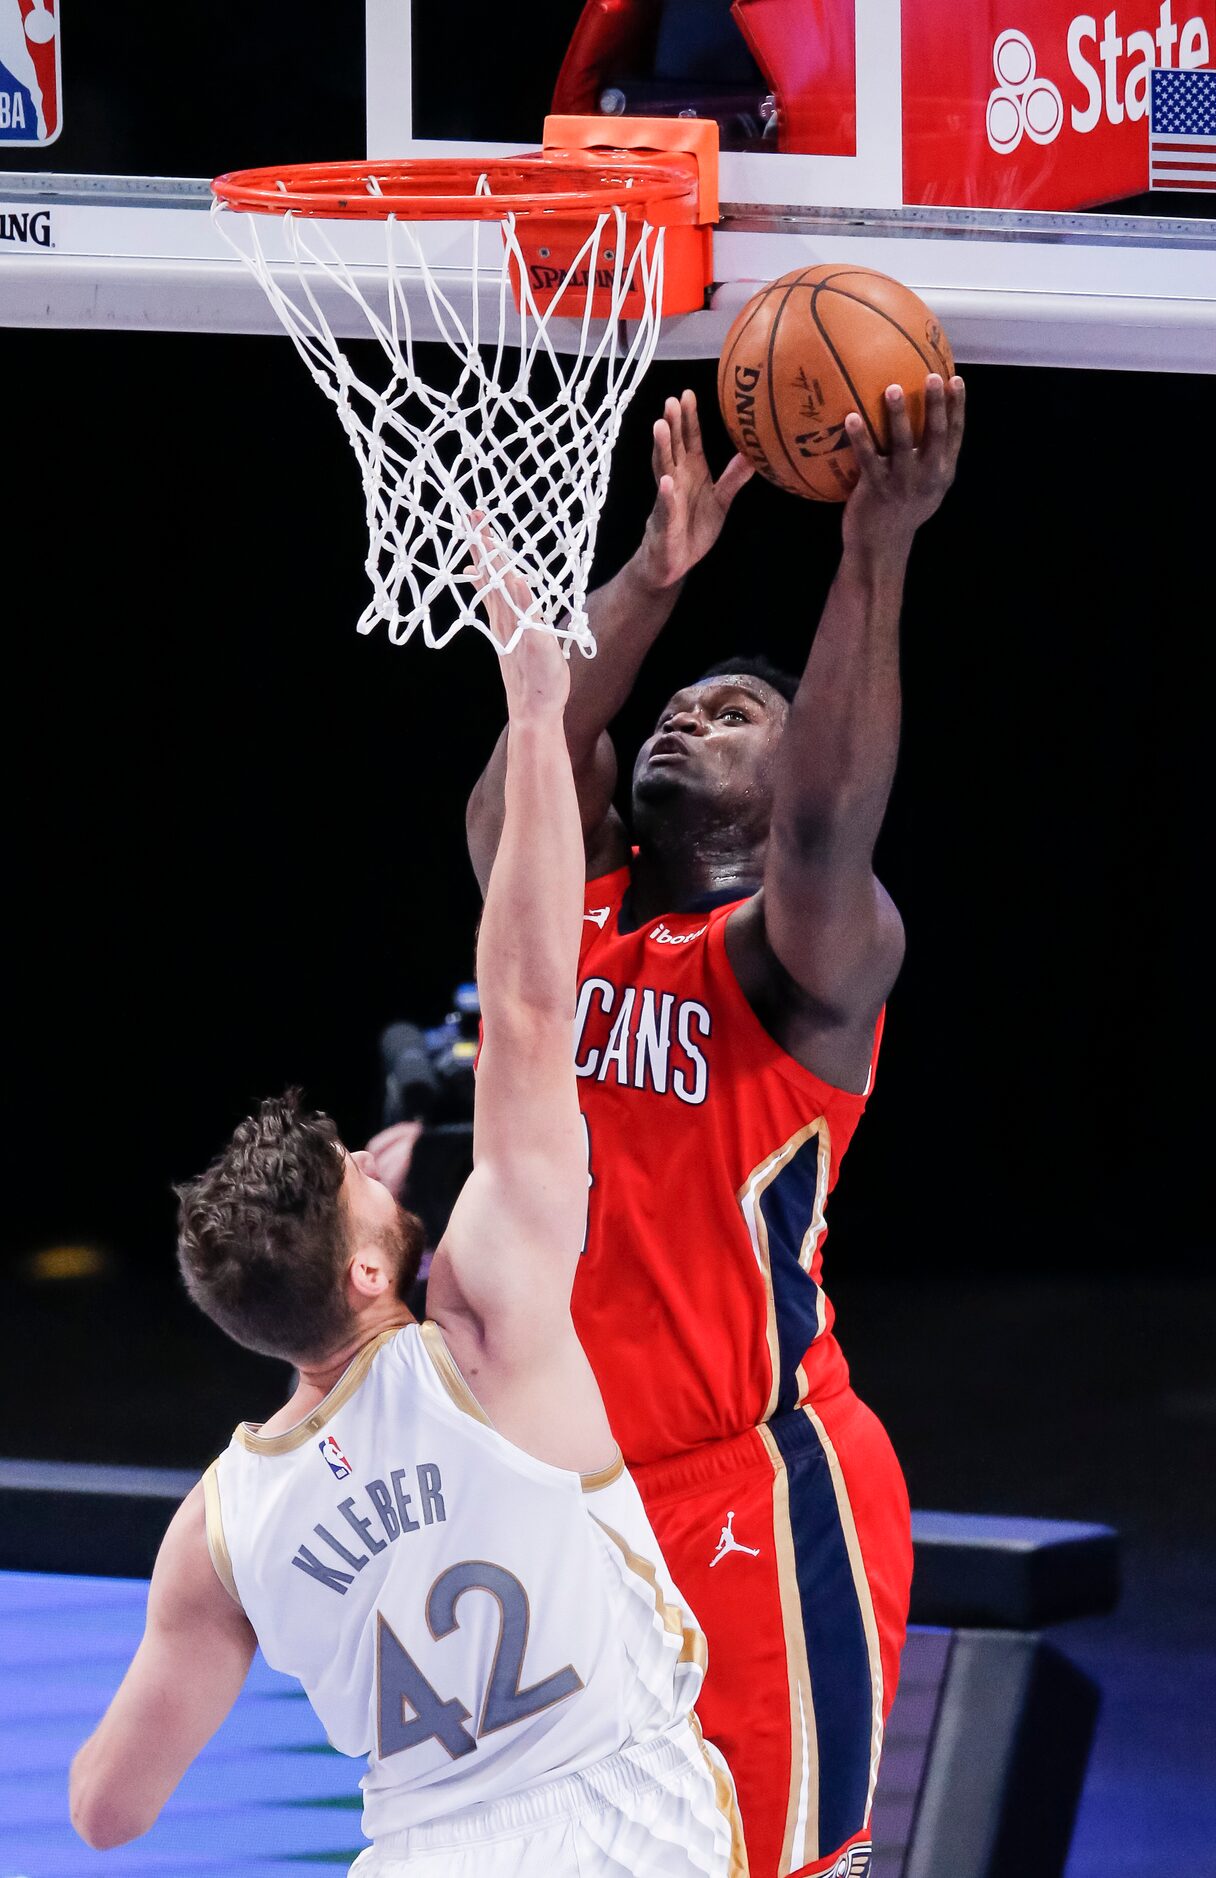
[1023,288]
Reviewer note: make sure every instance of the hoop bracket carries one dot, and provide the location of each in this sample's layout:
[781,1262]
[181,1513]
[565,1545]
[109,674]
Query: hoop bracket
[696,137]
[687,222]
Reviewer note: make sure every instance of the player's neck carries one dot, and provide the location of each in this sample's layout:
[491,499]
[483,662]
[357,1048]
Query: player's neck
[671,874]
[317,1379]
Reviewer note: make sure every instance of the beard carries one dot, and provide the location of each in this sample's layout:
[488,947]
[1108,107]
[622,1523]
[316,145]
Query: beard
[657,785]
[675,803]
[406,1240]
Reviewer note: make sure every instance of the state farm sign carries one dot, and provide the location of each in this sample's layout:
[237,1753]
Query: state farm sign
[1026,104]
[1006,104]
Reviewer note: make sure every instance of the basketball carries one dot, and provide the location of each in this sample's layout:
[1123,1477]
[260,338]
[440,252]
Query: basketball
[808,349]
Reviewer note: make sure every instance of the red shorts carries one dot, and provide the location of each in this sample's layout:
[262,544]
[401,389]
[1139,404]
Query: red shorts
[792,1544]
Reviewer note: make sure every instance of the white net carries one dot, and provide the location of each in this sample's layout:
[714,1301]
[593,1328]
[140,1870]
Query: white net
[524,434]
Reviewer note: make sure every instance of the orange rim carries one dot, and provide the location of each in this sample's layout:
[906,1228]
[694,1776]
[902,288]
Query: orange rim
[445,189]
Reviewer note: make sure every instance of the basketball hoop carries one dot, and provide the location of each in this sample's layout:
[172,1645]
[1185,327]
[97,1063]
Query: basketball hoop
[573,255]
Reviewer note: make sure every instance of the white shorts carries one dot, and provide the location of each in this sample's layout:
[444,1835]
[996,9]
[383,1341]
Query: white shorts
[664,1809]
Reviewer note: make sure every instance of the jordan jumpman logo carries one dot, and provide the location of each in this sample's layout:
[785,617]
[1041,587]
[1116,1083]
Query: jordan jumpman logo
[728,1543]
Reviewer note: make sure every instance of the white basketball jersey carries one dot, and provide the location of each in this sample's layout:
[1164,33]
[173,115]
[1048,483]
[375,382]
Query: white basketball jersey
[473,1620]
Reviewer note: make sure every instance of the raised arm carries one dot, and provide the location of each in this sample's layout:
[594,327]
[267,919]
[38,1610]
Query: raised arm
[823,928]
[505,1267]
[627,614]
[187,1673]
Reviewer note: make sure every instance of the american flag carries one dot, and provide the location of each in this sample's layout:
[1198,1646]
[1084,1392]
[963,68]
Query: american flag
[1182,130]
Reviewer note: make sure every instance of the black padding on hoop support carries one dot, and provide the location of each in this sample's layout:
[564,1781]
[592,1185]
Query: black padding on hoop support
[969,1570]
[1001,1767]
[102,1522]
[1011,1574]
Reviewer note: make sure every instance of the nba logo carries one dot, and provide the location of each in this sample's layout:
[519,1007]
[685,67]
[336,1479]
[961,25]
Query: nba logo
[29,71]
[335,1460]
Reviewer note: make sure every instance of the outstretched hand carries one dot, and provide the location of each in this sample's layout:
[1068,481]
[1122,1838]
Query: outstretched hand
[690,507]
[902,488]
[535,672]
[392,1150]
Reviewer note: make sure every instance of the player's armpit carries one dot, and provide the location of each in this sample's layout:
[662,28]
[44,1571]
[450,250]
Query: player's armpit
[604,836]
[816,956]
[595,774]
[187,1673]
[499,1291]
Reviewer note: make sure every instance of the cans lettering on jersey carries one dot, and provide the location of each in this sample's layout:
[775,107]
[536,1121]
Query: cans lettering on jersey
[654,1039]
[29,85]
[712,1154]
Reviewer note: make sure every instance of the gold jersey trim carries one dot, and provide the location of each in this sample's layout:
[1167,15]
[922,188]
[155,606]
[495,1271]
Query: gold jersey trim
[217,1544]
[749,1197]
[314,1424]
[692,1643]
[450,1376]
[448,1371]
[865,1602]
[604,1476]
[800,1844]
[727,1803]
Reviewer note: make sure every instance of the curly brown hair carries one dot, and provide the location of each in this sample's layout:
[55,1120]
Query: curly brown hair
[262,1236]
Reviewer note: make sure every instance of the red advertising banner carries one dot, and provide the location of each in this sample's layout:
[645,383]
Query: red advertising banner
[812,45]
[1006,104]
[1032,104]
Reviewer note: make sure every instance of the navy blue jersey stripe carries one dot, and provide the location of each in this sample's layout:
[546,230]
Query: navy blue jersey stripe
[787,1206]
[835,1635]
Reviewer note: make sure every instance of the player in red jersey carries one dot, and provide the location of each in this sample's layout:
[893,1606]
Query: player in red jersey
[737,956]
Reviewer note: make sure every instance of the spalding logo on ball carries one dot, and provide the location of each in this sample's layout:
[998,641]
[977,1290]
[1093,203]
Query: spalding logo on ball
[810,348]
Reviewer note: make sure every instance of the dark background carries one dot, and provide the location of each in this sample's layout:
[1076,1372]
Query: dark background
[236,830]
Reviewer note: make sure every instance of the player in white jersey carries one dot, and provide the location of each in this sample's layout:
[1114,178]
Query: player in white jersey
[436,1534]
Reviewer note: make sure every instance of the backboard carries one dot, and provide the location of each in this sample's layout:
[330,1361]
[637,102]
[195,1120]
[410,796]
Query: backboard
[107,224]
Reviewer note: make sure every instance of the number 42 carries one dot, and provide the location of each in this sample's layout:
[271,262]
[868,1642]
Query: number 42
[401,1684]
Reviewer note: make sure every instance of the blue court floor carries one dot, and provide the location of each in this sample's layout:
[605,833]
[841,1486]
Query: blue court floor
[268,1794]
[1149,1804]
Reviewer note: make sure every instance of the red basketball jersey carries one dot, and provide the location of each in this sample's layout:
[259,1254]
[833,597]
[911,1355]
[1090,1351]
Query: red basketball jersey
[699,1297]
